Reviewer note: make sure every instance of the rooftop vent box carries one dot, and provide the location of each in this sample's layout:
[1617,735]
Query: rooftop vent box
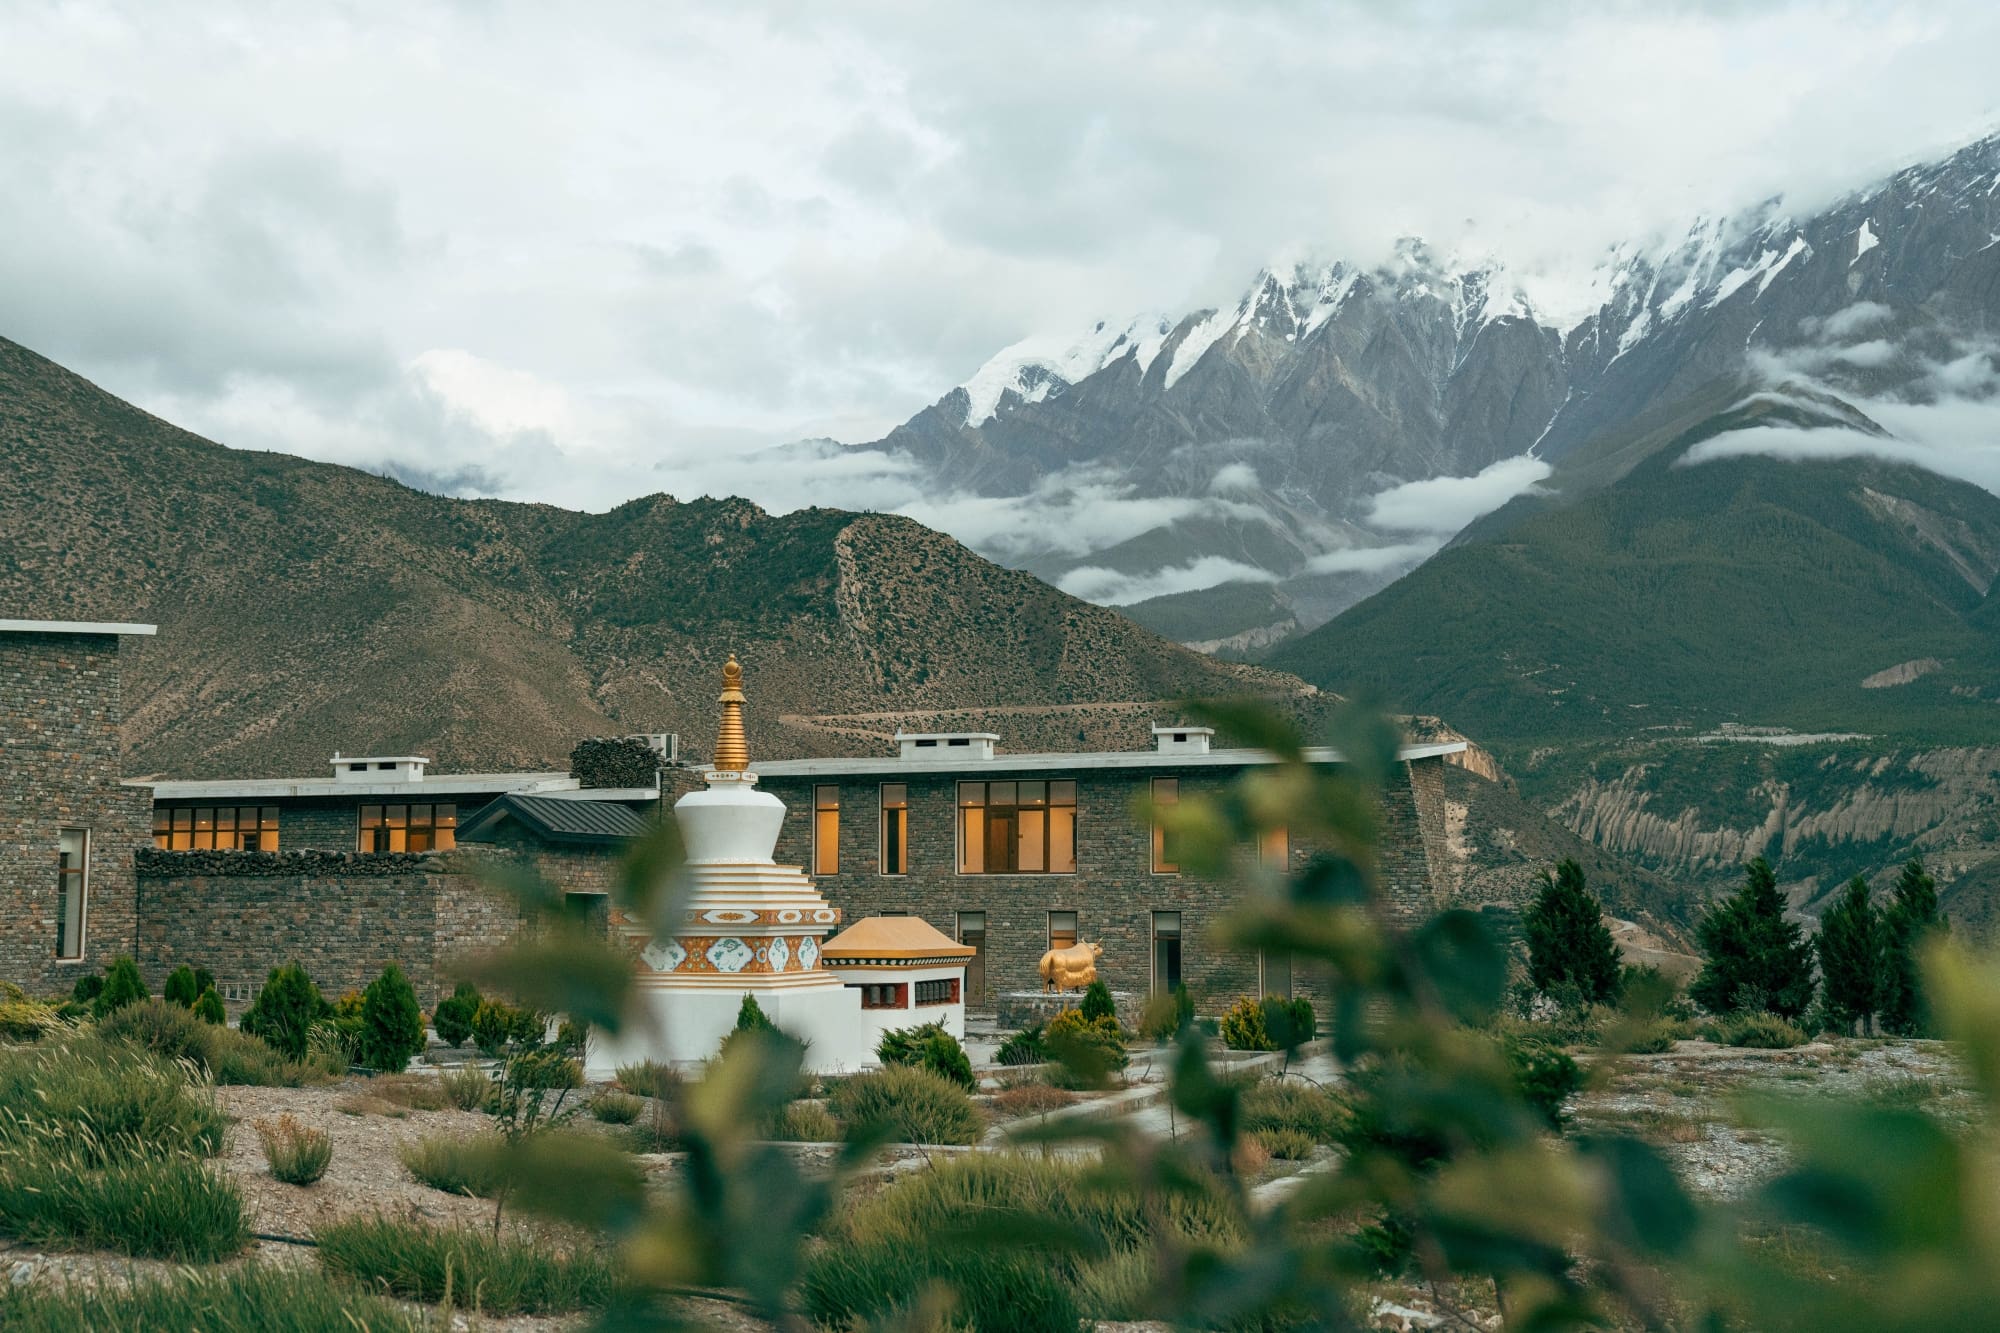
[379,768]
[1182,740]
[951,745]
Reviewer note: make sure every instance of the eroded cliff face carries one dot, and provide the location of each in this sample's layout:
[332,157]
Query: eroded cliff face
[1823,816]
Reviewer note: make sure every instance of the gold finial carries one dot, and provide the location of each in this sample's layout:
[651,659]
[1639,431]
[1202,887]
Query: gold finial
[732,752]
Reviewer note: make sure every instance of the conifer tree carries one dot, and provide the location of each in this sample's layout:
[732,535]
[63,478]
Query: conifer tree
[392,1026]
[1755,958]
[1909,924]
[1568,941]
[1850,956]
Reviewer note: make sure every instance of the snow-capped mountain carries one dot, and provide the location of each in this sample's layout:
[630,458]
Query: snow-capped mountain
[1237,471]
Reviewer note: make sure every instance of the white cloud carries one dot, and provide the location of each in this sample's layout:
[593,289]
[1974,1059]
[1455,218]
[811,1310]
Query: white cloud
[1446,504]
[1847,322]
[1111,587]
[1234,479]
[1875,352]
[707,232]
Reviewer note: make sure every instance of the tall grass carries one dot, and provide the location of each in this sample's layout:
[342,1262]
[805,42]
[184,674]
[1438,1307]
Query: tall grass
[166,1206]
[1293,1107]
[255,1298]
[296,1153]
[468,1087]
[106,1102]
[913,1105]
[885,1250]
[470,1267]
[226,1055]
[455,1165]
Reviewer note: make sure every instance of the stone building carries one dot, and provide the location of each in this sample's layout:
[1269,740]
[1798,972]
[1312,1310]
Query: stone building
[1015,854]
[68,828]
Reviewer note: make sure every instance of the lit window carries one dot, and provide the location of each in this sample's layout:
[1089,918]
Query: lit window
[245,828]
[895,828]
[408,828]
[73,890]
[1062,930]
[1166,951]
[1166,842]
[1017,828]
[1274,849]
[826,830]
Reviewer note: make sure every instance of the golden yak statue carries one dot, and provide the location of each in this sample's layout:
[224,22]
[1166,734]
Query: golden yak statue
[1070,969]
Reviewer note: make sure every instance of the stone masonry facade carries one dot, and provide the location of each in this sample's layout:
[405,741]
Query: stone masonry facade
[60,710]
[344,916]
[1114,891]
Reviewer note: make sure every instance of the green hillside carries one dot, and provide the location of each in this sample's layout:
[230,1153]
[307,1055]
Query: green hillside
[1645,594]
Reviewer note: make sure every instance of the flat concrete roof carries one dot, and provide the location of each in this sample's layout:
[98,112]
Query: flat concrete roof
[74,627]
[1073,762]
[434,786]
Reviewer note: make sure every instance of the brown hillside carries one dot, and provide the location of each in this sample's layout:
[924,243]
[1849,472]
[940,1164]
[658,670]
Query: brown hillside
[305,608]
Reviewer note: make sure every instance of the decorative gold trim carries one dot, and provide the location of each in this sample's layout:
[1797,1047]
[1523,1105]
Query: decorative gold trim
[732,751]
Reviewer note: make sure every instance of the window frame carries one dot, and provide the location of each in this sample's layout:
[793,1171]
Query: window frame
[1049,803]
[432,827]
[1076,928]
[81,874]
[1179,937]
[1291,975]
[175,827]
[884,810]
[821,846]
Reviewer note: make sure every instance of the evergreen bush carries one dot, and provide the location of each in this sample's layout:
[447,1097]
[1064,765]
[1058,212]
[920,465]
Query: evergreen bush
[208,1008]
[122,986]
[88,987]
[911,1105]
[1090,1051]
[392,1026]
[1289,1023]
[1026,1047]
[750,1017]
[180,988]
[1243,1027]
[1568,942]
[493,1023]
[928,1047]
[1851,958]
[1097,1002]
[285,1010]
[1754,957]
[453,1018]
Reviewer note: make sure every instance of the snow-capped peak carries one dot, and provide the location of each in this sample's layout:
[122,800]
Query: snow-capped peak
[1038,367]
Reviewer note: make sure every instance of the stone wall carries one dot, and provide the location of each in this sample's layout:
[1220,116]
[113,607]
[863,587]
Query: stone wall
[1114,892]
[60,710]
[343,915]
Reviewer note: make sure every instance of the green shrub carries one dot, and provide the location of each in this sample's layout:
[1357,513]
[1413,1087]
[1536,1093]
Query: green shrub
[1168,1014]
[547,1070]
[855,1286]
[493,1024]
[1546,1077]
[181,1034]
[453,1017]
[913,1105]
[159,1204]
[1759,1031]
[616,1108]
[179,987]
[468,1166]
[1651,1037]
[804,1122]
[1289,1144]
[26,1020]
[88,987]
[392,1026]
[468,1088]
[1289,1023]
[501,1277]
[261,1297]
[285,1010]
[1089,1051]
[1293,1106]
[208,1008]
[122,986]
[928,1047]
[1097,1002]
[649,1078]
[1243,1027]
[1025,1047]
[297,1154]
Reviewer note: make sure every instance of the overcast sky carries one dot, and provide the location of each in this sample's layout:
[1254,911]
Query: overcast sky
[583,252]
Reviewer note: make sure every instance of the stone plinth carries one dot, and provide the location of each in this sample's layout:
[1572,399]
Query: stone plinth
[1020,1008]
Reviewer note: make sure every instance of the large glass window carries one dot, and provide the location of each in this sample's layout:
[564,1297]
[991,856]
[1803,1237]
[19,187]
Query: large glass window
[826,830]
[1017,828]
[408,828]
[972,931]
[1062,930]
[73,889]
[1166,843]
[1274,849]
[1274,974]
[895,828]
[229,828]
[1166,951]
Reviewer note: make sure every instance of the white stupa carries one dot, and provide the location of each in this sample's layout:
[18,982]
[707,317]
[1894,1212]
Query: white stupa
[750,927]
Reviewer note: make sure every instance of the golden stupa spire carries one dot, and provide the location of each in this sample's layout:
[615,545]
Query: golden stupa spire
[732,752]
